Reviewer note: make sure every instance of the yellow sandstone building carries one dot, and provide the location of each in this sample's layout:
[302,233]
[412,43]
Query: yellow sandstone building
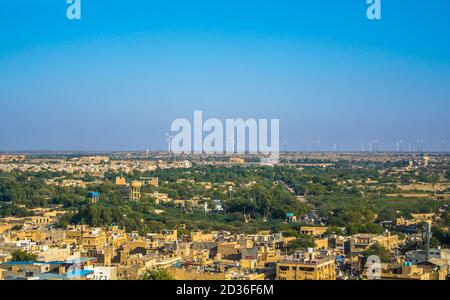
[313,230]
[307,266]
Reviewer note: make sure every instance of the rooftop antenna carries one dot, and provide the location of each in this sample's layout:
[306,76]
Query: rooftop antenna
[427,238]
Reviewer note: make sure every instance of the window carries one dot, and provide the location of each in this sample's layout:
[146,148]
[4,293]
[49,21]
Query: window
[305,269]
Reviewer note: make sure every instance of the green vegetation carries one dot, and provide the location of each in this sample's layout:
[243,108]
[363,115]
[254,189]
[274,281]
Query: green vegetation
[302,242]
[378,250]
[157,274]
[261,197]
[440,235]
[7,210]
[20,255]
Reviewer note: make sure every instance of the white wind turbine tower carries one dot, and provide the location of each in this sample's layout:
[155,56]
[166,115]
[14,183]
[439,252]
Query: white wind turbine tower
[317,142]
[169,142]
[372,145]
[419,145]
[399,145]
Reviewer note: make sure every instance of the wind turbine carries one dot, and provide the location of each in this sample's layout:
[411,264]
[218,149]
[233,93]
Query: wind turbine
[169,142]
[317,143]
[419,145]
[399,145]
[374,143]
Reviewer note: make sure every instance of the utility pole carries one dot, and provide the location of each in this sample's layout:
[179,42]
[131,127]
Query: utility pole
[427,240]
[351,260]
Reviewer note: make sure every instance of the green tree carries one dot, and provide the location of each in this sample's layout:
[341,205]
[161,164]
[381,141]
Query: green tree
[387,214]
[333,230]
[20,255]
[301,243]
[379,251]
[157,274]
[447,174]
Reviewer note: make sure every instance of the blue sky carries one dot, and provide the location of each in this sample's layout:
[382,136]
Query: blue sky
[116,79]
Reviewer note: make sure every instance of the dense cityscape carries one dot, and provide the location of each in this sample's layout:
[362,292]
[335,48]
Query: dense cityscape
[200,149]
[157,216]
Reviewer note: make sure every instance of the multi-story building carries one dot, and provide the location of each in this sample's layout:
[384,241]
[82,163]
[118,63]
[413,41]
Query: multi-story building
[95,239]
[199,236]
[361,242]
[307,266]
[166,236]
[313,230]
[135,191]
[409,271]
[151,181]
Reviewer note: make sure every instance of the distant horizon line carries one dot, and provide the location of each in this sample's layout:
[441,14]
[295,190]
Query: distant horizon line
[218,154]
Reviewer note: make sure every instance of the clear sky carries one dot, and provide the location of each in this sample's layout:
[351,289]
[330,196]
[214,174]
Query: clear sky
[117,78]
